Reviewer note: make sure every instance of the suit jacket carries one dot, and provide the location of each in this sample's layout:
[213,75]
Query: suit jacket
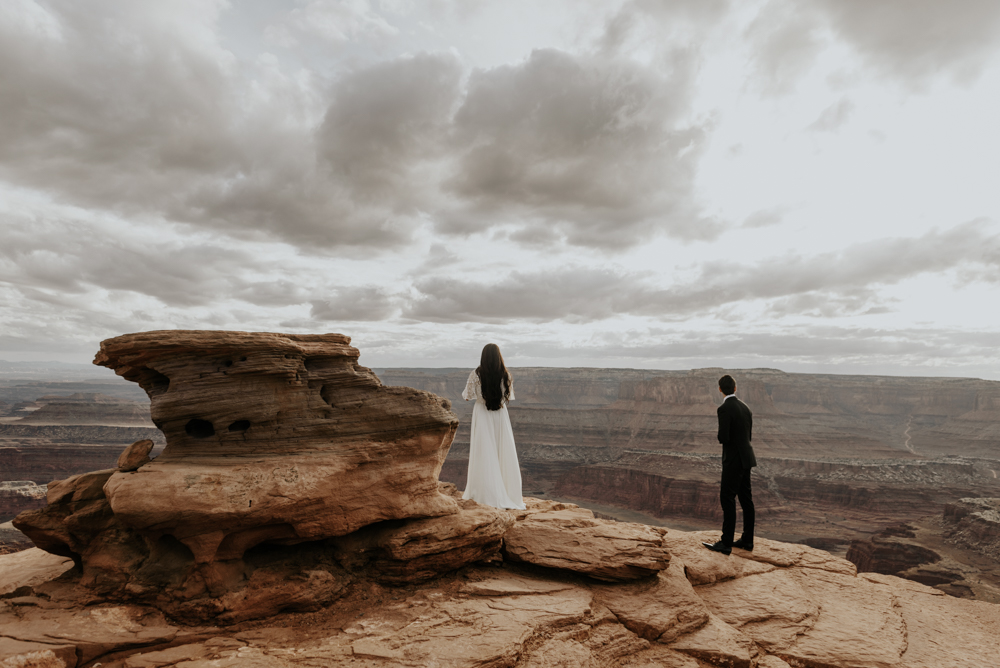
[735,427]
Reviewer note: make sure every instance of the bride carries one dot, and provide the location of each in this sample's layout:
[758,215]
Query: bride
[494,475]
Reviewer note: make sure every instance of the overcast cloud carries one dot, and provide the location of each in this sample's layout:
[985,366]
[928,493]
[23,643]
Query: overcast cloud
[805,185]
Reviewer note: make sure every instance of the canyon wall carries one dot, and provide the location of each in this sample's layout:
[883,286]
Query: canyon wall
[975,523]
[17,496]
[800,415]
[841,457]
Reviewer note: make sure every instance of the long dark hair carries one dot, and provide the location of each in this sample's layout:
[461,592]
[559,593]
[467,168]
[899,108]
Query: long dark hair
[494,378]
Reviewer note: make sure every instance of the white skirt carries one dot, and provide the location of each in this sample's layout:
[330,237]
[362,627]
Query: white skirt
[494,475]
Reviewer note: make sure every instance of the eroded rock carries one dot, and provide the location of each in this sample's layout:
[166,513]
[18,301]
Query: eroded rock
[271,439]
[135,455]
[275,431]
[417,550]
[572,539]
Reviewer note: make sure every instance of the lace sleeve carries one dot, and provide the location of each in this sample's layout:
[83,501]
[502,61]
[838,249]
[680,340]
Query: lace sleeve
[510,384]
[469,393]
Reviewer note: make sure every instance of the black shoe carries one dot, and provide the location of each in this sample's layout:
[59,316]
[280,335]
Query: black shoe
[743,544]
[718,547]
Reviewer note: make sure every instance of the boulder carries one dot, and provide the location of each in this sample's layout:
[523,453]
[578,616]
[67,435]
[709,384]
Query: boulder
[274,437]
[272,440]
[570,538]
[135,455]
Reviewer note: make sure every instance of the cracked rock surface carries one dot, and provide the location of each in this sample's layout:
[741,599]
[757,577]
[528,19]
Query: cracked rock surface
[781,605]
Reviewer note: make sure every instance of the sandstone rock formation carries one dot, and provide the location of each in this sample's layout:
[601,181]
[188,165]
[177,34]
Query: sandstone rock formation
[564,536]
[434,580]
[781,605]
[135,456]
[270,438]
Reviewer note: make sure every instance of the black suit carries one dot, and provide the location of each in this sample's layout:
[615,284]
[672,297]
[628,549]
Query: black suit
[735,432]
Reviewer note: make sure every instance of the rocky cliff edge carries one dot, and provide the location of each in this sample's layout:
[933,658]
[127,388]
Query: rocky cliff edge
[362,558]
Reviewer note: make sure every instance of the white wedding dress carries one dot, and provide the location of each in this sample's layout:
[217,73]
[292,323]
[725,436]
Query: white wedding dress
[494,475]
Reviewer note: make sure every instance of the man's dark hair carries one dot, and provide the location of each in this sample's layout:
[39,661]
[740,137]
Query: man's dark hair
[727,384]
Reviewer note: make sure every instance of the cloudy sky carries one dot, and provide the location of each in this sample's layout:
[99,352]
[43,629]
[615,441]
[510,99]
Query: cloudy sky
[810,185]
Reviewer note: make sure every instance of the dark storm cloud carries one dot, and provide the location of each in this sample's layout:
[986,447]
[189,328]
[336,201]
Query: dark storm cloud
[135,107]
[109,104]
[826,285]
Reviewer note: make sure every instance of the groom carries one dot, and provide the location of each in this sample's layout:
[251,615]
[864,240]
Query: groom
[735,425]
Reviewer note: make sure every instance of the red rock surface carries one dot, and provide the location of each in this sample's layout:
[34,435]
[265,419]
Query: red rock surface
[261,430]
[549,586]
[135,456]
[271,439]
[781,605]
[558,535]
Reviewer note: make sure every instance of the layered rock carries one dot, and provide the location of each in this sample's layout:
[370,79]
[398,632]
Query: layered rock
[19,495]
[135,456]
[278,439]
[12,540]
[42,463]
[888,552]
[975,524]
[455,584]
[88,409]
[779,606]
[564,536]
[807,415]
[262,430]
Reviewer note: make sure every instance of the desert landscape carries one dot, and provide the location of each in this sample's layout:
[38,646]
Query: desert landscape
[842,458]
[871,469]
[295,517]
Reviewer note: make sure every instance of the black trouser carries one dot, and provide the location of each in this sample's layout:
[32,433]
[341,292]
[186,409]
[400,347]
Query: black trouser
[736,483]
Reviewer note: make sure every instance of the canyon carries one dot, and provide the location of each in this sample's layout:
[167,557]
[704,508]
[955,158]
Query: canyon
[295,517]
[842,458]
[51,429]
